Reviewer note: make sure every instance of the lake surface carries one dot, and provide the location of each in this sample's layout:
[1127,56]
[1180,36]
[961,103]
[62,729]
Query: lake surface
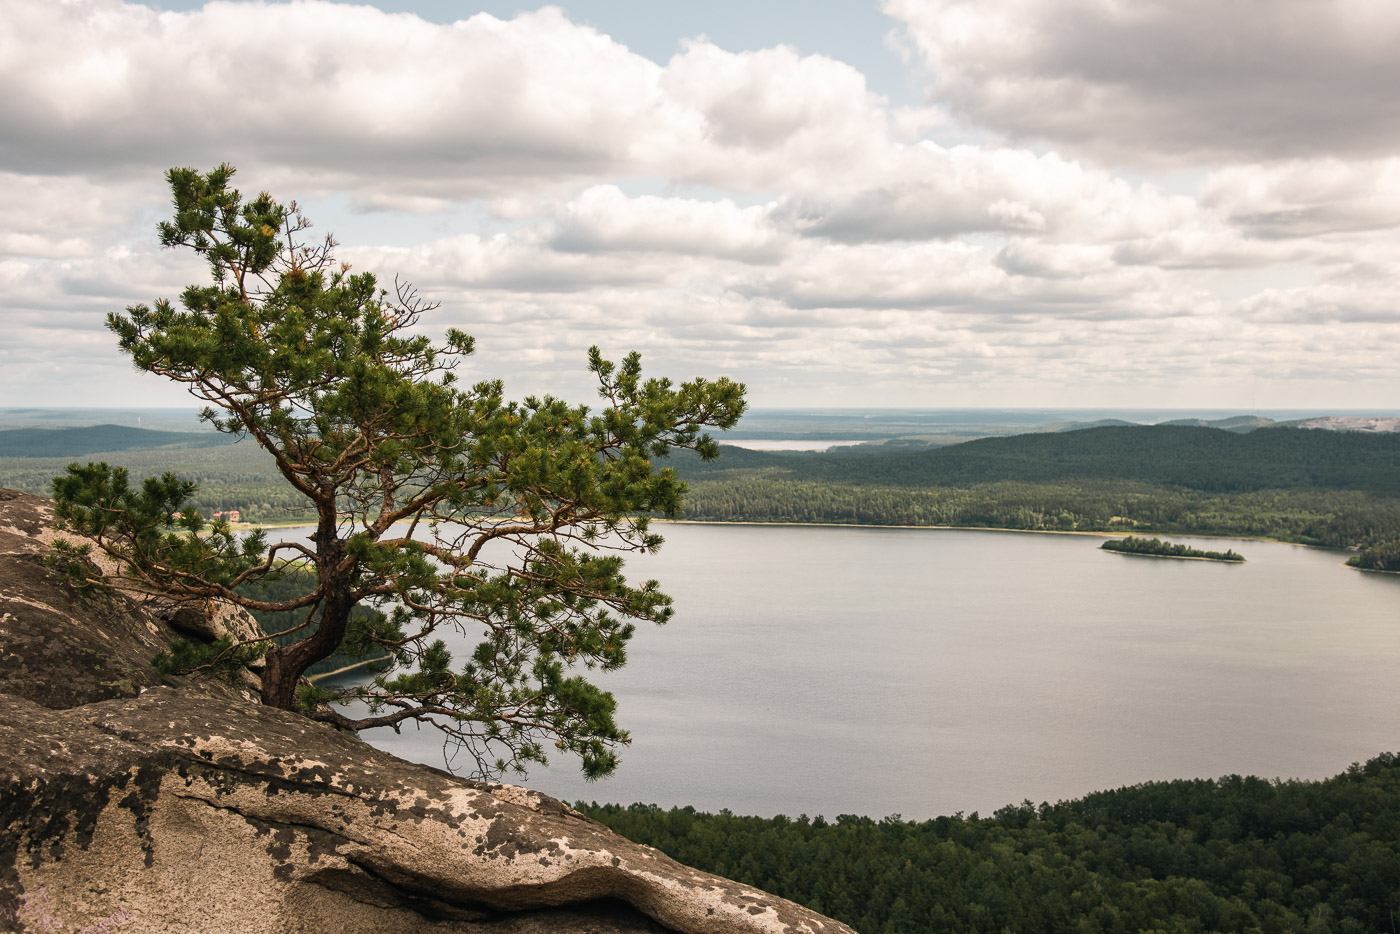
[826,670]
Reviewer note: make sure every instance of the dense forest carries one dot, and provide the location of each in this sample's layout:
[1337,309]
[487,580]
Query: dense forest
[1209,460]
[1312,486]
[76,442]
[1235,854]
[1336,518]
[1382,557]
[1156,548]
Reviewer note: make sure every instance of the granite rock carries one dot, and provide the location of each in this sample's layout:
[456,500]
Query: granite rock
[134,803]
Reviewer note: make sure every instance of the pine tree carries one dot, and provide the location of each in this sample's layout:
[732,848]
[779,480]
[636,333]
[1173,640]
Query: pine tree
[435,506]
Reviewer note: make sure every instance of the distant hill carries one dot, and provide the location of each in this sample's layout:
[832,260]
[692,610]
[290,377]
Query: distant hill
[1081,426]
[1338,488]
[1350,423]
[161,419]
[1234,423]
[100,439]
[1206,459]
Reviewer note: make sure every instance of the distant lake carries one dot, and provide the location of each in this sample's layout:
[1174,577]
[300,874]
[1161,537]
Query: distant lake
[825,670]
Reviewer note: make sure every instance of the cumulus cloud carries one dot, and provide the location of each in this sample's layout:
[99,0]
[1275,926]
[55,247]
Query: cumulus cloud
[56,217]
[796,232]
[928,191]
[391,103]
[1168,82]
[603,219]
[92,83]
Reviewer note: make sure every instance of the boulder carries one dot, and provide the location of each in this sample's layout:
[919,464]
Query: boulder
[59,646]
[131,803]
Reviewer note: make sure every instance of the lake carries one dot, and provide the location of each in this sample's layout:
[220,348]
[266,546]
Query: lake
[829,670]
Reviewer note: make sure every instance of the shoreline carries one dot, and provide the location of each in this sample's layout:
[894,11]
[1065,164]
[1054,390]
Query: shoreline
[984,528]
[249,526]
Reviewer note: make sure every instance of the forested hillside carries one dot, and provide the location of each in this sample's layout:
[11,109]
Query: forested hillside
[1237,854]
[1320,487]
[1210,460]
[82,442]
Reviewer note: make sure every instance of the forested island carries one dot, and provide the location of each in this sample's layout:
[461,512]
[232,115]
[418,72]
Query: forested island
[1233,854]
[1156,548]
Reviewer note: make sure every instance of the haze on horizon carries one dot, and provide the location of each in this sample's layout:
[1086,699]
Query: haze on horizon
[921,203]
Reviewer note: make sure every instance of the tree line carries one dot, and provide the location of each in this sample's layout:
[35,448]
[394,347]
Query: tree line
[1338,518]
[237,476]
[100,439]
[1234,854]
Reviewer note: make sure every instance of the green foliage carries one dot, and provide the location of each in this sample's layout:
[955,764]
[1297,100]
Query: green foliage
[1235,854]
[240,476]
[1381,557]
[758,486]
[434,505]
[1207,460]
[150,530]
[1133,545]
[75,564]
[1316,487]
[96,439]
[224,657]
[1335,518]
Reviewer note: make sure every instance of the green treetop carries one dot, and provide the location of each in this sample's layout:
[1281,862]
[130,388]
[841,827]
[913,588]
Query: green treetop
[436,506]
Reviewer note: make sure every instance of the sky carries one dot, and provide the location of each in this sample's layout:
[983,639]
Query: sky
[923,203]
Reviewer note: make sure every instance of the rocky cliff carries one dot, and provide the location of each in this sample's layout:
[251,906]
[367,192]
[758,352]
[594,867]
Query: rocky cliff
[134,803]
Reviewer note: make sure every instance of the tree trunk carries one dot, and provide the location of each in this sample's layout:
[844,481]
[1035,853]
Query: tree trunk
[285,664]
[279,680]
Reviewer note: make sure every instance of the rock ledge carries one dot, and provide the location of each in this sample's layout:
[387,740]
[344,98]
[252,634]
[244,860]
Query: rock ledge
[131,803]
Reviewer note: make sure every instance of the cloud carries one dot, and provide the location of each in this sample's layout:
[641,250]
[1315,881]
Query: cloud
[1327,304]
[1308,198]
[776,118]
[1163,83]
[55,217]
[603,219]
[1208,242]
[360,92]
[408,114]
[795,232]
[929,192]
[1013,283]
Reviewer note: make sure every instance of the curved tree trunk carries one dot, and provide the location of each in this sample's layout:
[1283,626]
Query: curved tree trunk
[285,664]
